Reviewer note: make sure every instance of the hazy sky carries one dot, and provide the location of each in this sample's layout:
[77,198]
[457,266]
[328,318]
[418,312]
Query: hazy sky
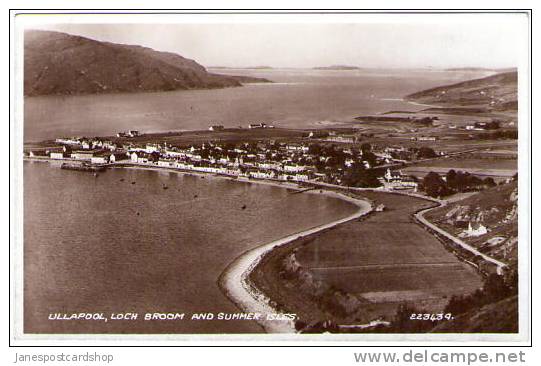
[454,41]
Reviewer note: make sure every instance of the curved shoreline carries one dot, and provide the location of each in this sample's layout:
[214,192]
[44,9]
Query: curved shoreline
[235,283]
[234,279]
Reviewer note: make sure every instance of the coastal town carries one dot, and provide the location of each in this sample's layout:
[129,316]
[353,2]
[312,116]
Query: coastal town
[329,157]
[333,161]
[362,195]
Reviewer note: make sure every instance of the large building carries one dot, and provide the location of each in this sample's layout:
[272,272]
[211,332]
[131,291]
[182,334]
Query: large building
[397,180]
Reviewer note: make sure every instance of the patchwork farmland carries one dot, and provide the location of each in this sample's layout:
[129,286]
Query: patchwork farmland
[383,260]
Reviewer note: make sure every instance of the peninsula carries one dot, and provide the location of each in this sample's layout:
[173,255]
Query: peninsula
[57,63]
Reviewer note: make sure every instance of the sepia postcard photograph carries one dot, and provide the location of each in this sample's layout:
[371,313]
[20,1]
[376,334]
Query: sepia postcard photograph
[289,176]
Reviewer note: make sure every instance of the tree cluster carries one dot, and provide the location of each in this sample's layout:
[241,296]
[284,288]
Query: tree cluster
[435,186]
[498,135]
[424,152]
[495,288]
[358,176]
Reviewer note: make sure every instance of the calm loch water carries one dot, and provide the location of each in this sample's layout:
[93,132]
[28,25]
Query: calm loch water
[297,99]
[102,245]
[105,245]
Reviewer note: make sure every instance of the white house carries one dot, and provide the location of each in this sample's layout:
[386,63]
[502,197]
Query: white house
[184,165]
[476,230]
[175,153]
[393,176]
[57,155]
[294,168]
[343,139]
[257,125]
[297,148]
[165,163]
[397,180]
[98,160]
[269,165]
[109,145]
[301,177]
[258,174]
[81,155]
[96,144]
[68,141]
[150,148]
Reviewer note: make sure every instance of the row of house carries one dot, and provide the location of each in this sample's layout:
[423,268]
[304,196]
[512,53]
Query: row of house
[129,133]
[290,172]
[294,161]
[93,157]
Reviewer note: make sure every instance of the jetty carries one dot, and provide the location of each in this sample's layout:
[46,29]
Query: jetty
[84,167]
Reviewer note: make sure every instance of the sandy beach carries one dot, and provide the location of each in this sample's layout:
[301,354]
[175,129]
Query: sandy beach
[234,280]
[235,283]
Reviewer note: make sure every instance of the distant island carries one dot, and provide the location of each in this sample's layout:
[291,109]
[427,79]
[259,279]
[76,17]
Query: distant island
[468,69]
[242,67]
[258,67]
[337,67]
[57,63]
[506,69]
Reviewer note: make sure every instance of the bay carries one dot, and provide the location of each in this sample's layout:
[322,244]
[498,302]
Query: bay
[99,244]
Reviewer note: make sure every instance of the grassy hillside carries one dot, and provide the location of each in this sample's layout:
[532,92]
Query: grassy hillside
[500,317]
[496,92]
[495,208]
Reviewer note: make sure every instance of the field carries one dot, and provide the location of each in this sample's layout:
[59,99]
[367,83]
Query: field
[496,174]
[482,164]
[448,143]
[384,260]
[473,162]
[181,138]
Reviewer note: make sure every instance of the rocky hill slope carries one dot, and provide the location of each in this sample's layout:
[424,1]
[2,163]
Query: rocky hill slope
[495,209]
[500,317]
[62,64]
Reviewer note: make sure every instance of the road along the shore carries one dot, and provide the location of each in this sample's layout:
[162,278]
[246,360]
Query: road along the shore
[500,266]
[420,217]
[235,282]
